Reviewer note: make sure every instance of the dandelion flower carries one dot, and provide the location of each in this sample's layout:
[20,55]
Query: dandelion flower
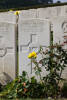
[32,55]
[17,13]
[10,10]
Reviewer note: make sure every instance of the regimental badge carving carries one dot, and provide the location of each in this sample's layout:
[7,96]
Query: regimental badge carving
[64,26]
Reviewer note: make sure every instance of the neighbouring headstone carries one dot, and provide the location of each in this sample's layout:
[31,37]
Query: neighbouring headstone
[7,45]
[32,34]
[59,30]
[60,34]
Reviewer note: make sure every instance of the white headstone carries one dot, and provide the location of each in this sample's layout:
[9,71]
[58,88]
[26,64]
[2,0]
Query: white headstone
[60,34]
[32,34]
[7,49]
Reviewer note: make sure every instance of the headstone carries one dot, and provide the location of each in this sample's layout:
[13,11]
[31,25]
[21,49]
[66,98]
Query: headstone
[60,34]
[7,49]
[59,29]
[32,34]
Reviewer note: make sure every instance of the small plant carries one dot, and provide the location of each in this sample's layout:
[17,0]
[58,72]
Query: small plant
[25,88]
[17,88]
[36,89]
[22,87]
[54,61]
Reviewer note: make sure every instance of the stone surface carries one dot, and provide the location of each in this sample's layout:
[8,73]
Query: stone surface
[33,33]
[7,17]
[47,13]
[7,49]
[27,14]
[63,10]
[50,12]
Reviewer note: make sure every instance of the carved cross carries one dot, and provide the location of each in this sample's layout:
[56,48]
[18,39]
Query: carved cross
[32,44]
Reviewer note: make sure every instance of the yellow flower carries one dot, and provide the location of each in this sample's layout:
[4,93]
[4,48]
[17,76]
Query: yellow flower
[17,13]
[32,55]
[10,10]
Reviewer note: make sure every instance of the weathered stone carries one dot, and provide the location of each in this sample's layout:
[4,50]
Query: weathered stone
[63,10]
[27,14]
[8,17]
[32,34]
[50,12]
[47,13]
[7,49]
